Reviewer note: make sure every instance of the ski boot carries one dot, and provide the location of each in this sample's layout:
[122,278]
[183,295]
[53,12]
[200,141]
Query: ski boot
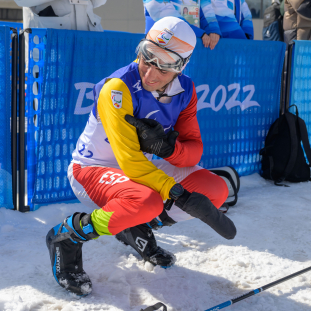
[64,243]
[142,239]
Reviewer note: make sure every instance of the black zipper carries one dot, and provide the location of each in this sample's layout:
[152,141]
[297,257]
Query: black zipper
[165,95]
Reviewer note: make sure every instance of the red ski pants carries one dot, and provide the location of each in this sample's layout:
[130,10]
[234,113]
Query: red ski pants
[124,203]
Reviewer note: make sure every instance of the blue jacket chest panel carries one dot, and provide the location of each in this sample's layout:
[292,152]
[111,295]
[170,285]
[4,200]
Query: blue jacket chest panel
[144,103]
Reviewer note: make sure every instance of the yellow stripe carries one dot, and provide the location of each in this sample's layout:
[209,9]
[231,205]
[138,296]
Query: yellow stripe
[100,220]
[124,140]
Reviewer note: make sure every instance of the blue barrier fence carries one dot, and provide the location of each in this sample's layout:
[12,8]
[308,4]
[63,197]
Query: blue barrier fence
[300,94]
[5,116]
[18,26]
[238,99]
[37,45]
[59,99]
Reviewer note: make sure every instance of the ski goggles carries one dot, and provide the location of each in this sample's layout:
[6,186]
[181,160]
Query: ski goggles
[161,56]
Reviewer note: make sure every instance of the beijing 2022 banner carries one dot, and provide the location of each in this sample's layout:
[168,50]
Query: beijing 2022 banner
[238,88]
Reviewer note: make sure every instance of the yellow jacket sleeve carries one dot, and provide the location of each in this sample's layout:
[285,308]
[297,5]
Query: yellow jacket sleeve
[124,140]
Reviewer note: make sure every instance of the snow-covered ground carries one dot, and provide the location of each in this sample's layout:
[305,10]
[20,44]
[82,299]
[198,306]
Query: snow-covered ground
[273,241]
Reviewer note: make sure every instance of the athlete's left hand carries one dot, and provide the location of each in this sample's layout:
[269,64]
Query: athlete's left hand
[152,137]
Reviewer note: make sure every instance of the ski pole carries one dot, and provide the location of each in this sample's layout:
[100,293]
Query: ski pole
[256,291]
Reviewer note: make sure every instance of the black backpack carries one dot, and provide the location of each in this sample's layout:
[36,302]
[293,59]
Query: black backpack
[283,157]
[273,24]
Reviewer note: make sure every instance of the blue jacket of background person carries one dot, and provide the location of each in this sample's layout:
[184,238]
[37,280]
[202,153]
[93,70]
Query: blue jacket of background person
[157,9]
[234,19]
[228,18]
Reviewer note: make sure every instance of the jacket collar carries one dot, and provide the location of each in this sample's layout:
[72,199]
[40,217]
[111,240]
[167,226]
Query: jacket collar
[174,88]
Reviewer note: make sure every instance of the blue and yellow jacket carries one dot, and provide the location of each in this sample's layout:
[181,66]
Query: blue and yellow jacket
[108,140]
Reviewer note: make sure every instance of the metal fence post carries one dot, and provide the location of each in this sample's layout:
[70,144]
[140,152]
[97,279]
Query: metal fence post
[21,199]
[289,74]
[14,116]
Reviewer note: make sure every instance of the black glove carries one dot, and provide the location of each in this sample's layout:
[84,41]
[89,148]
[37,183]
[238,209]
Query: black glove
[152,137]
[199,206]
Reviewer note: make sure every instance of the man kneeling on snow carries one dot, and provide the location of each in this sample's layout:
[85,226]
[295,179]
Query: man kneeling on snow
[112,169]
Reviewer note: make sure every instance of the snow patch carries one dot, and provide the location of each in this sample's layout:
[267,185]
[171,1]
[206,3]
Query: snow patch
[273,241]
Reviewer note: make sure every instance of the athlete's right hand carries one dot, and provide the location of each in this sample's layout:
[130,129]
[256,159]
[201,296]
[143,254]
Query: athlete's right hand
[152,137]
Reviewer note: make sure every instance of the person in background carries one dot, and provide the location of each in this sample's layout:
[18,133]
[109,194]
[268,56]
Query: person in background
[61,14]
[297,20]
[223,18]
[273,22]
[234,19]
[207,29]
